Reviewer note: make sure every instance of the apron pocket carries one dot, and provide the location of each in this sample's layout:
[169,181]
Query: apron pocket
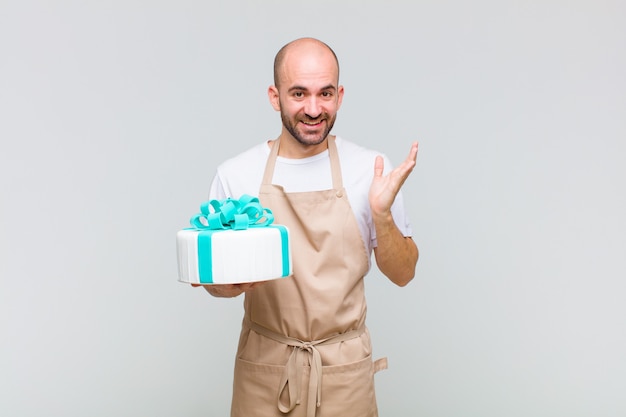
[255,389]
[348,390]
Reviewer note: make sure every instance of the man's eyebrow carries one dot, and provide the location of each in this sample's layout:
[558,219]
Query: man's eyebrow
[300,88]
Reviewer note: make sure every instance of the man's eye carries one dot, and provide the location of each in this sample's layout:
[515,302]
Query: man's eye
[327,94]
[298,94]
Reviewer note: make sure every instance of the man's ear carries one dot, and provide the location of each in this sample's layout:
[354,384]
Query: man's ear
[272,94]
[339,96]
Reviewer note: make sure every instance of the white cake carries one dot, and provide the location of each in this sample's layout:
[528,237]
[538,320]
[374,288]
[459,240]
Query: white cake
[233,256]
[249,249]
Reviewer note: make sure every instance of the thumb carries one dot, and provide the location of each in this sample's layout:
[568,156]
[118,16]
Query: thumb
[379,166]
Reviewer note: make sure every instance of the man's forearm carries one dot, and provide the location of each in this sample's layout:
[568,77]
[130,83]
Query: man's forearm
[396,255]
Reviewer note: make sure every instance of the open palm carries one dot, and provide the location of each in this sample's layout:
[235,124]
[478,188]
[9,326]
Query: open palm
[384,188]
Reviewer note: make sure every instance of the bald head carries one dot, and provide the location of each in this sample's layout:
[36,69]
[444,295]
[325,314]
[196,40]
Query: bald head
[298,48]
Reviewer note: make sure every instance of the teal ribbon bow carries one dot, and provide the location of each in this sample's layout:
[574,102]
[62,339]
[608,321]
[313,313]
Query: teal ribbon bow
[232,214]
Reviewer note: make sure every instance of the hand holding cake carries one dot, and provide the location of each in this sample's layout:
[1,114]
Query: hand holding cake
[229,290]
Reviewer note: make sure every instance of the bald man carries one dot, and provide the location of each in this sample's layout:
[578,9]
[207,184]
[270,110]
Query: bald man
[304,348]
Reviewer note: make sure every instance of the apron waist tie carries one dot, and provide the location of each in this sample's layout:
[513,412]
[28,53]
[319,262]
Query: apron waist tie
[292,375]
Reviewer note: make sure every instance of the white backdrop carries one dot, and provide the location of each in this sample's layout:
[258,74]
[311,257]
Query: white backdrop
[114,115]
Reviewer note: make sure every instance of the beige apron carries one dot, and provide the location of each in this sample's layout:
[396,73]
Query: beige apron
[304,349]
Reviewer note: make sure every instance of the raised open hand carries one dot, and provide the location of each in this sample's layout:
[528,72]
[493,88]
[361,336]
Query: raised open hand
[384,189]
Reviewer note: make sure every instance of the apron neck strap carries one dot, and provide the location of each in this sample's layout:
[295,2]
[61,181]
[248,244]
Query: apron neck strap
[335,167]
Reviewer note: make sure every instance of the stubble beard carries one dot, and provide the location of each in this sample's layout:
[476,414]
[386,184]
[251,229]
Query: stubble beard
[298,136]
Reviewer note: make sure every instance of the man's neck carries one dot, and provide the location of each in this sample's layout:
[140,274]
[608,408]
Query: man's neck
[292,149]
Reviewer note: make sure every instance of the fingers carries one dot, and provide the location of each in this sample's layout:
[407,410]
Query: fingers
[412,157]
[407,164]
[404,169]
[413,151]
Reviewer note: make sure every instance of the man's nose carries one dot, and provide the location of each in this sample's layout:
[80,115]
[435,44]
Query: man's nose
[313,108]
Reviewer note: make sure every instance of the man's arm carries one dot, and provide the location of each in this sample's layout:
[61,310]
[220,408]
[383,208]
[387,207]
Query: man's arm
[396,255]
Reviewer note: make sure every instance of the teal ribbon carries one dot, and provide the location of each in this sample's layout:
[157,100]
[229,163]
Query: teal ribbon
[233,214]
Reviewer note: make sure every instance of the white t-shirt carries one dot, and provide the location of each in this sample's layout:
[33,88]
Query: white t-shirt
[243,174]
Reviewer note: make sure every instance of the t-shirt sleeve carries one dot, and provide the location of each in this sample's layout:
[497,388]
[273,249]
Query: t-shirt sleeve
[217,191]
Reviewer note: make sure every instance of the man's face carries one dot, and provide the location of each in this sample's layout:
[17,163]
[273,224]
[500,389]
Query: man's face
[309,96]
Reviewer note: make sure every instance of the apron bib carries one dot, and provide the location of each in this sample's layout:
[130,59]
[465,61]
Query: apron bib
[304,350]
